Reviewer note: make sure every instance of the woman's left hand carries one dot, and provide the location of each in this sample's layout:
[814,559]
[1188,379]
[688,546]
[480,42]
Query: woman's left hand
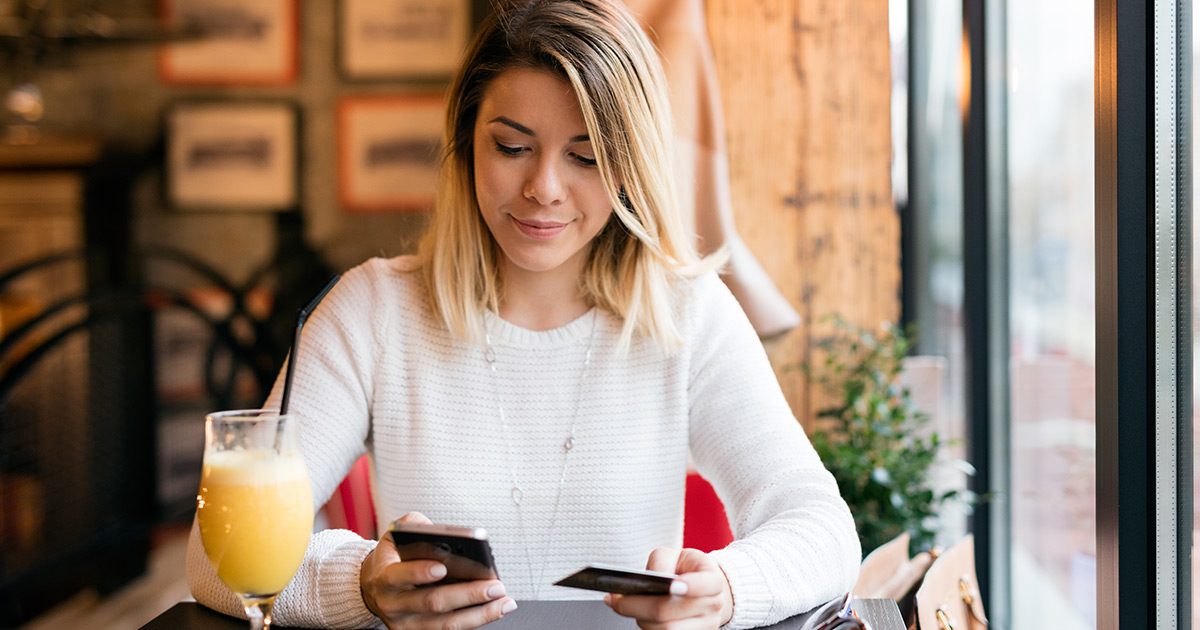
[699,599]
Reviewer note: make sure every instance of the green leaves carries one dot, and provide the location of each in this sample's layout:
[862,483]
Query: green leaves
[879,448]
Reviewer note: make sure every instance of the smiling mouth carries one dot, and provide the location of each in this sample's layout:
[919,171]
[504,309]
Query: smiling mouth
[539,229]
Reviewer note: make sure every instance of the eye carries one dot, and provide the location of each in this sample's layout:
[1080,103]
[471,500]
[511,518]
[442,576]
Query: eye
[507,150]
[586,161]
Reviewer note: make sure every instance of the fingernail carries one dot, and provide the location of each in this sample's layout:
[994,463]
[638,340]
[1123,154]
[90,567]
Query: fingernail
[608,599]
[496,591]
[437,571]
[679,588]
[508,607]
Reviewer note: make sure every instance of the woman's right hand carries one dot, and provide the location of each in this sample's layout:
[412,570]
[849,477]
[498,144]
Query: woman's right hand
[390,590]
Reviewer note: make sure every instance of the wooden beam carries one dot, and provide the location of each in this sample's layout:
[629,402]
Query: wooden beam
[806,87]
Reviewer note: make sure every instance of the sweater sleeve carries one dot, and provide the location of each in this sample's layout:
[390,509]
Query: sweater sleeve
[331,392]
[796,546]
[324,593]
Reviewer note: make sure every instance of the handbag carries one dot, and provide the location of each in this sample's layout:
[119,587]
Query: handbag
[949,595]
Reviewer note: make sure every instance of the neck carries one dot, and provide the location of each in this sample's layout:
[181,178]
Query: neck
[541,300]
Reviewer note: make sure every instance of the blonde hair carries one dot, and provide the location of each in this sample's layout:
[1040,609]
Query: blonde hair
[640,254]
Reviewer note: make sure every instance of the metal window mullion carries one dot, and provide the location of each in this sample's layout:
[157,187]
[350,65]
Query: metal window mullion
[1183,310]
[999,429]
[1165,309]
[978,252]
[985,296]
[1125,528]
[1143,347]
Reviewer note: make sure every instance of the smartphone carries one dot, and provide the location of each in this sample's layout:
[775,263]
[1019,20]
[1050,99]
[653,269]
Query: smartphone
[464,550]
[598,577]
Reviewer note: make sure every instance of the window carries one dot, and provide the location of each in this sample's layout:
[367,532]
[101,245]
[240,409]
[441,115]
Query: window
[1051,300]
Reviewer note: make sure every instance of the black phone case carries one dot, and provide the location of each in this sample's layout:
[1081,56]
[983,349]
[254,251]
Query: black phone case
[465,558]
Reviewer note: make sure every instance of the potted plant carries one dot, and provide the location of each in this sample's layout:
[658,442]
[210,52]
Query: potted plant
[875,442]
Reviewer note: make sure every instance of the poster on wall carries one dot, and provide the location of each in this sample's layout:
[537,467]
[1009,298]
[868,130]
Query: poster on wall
[389,39]
[388,152]
[232,42]
[232,156]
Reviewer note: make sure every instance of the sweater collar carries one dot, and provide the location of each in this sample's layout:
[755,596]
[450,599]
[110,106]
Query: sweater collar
[511,334]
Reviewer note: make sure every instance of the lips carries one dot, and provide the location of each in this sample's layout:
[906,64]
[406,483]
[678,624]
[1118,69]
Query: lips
[539,229]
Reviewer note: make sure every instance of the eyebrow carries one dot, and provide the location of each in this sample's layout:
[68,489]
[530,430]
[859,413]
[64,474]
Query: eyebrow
[529,132]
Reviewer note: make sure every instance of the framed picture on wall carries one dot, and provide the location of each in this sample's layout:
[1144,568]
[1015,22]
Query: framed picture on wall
[232,156]
[388,151]
[248,42]
[389,39]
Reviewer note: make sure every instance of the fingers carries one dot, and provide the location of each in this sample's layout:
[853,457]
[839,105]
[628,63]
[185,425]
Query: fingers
[702,575]
[385,551]
[700,597]
[415,517]
[402,592]
[449,597]
[699,574]
[451,605]
[414,572]
[401,573]
[469,618]
[694,560]
[387,546]
[663,559]
[659,608]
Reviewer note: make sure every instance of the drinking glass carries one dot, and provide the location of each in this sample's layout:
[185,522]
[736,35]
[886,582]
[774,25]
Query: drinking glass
[255,505]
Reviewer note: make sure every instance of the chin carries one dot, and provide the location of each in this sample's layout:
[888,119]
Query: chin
[538,259]
[537,264]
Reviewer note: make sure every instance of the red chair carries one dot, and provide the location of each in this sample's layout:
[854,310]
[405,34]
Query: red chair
[351,506]
[705,526]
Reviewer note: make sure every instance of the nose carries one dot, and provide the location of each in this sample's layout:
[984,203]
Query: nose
[544,184]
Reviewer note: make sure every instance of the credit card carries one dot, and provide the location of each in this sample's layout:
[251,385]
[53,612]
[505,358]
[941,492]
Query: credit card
[621,581]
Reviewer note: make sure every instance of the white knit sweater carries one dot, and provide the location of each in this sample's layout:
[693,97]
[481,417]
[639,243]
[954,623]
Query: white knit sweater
[378,374]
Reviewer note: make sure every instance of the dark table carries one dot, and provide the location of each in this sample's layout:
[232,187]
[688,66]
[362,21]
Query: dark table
[881,614]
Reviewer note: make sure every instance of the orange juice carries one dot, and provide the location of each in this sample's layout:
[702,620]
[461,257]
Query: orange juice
[255,511]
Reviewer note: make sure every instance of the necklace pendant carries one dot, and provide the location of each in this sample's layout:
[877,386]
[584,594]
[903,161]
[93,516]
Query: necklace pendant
[569,444]
[489,355]
[517,494]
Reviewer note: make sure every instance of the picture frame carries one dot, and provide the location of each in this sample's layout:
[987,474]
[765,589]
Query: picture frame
[401,39]
[389,149]
[232,156]
[249,42]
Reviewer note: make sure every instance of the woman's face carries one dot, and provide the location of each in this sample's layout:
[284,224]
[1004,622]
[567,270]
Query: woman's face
[536,178]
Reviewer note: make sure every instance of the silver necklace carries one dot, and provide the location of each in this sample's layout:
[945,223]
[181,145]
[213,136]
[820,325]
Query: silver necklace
[516,492]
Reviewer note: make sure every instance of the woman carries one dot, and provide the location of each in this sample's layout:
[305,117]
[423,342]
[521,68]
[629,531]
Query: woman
[544,364]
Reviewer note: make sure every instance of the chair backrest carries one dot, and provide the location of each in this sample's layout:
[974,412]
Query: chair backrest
[949,595]
[705,524]
[881,565]
[351,506]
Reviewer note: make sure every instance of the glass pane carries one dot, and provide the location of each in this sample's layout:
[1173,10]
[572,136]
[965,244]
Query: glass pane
[1052,313]
[936,378]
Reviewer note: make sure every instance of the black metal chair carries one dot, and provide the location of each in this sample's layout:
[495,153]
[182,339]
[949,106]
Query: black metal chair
[81,419]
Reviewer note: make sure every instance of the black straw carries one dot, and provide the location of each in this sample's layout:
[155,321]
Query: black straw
[301,317]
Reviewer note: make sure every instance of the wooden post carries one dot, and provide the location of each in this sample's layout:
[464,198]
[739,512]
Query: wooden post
[806,87]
